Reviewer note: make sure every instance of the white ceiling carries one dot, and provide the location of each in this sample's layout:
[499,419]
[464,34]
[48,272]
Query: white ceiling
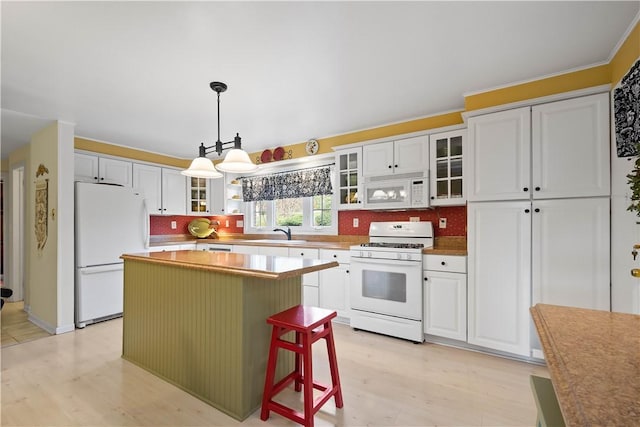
[137,73]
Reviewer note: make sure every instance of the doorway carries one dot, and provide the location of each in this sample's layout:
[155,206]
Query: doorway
[17,235]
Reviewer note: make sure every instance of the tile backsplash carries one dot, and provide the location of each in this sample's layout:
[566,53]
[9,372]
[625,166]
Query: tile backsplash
[456,217]
[161,224]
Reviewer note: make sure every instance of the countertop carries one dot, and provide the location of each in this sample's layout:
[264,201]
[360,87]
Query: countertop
[263,266]
[593,357]
[456,246]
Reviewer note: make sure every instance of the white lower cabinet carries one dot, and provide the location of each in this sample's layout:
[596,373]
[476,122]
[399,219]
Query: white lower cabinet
[445,296]
[499,275]
[528,252]
[261,250]
[333,288]
[309,280]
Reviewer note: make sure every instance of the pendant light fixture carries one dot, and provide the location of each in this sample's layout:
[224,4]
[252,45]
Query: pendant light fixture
[236,161]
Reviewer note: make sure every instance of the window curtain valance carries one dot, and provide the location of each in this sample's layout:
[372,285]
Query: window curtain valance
[287,185]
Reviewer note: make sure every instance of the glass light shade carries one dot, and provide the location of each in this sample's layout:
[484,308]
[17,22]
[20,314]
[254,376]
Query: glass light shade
[237,161]
[201,167]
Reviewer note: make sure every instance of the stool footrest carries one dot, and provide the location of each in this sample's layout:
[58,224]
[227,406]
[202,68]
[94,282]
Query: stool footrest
[318,402]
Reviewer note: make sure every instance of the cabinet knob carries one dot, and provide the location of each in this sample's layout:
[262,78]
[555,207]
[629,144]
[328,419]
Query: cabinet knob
[347,271]
[443,263]
[395,166]
[335,256]
[389,166]
[537,188]
[526,211]
[525,189]
[432,197]
[95,177]
[426,279]
[536,210]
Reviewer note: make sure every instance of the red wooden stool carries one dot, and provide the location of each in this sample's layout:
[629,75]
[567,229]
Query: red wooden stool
[310,324]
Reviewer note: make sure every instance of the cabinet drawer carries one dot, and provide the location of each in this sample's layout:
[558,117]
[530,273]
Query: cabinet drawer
[452,263]
[342,257]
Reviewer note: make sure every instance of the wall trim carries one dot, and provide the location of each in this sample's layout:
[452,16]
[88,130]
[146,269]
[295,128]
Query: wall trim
[41,323]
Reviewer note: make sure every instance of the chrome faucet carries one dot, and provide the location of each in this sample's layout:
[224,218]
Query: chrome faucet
[287,232]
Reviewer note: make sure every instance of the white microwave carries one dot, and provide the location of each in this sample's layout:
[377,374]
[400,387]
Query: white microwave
[396,192]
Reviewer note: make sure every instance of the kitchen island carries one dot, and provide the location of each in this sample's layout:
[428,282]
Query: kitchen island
[198,320]
[593,357]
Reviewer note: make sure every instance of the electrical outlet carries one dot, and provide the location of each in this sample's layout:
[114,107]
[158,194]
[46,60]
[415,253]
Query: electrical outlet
[356,223]
[174,225]
[414,219]
[442,223]
[226,223]
[239,223]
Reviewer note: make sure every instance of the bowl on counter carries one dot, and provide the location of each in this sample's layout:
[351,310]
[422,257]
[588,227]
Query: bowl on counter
[202,227]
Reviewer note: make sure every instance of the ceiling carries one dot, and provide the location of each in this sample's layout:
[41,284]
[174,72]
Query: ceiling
[137,73]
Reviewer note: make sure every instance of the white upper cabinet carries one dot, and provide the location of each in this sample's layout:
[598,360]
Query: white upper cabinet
[570,148]
[198,196]
[103,170]
[349,178]
[174,192]
[554,150]
[148,180]
[396,157]
[165,190]
[217,195]
[497,157]
[446,168]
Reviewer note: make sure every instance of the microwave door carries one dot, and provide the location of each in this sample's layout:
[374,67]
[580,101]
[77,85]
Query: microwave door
[386,195]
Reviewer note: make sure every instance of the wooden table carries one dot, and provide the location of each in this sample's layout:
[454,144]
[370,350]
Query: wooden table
[198,320]
[593,357]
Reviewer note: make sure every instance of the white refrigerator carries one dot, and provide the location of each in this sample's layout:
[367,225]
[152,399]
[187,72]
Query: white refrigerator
[110,220]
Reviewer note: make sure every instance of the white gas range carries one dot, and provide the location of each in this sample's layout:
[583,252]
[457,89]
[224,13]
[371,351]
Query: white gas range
[386,279]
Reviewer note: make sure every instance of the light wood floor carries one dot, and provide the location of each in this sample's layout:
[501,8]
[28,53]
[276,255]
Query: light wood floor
[16,327]
[79,379]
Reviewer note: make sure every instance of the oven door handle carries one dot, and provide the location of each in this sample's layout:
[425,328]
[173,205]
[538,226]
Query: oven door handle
[382,261]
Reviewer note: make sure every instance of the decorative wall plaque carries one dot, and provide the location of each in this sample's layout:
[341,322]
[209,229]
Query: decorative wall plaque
[42,207]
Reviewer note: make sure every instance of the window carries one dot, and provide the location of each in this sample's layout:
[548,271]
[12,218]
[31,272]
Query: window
[275,203]
[303,215]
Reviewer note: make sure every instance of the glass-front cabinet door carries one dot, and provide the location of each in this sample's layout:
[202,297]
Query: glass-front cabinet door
[198,200]
[446,163]
[349,178]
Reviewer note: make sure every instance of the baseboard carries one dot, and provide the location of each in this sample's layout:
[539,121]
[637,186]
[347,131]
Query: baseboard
[49,328]
[41,323]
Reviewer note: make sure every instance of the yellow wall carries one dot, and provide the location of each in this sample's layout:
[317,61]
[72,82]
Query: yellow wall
[589,77]
[129,153]
[42,264]
[626,56]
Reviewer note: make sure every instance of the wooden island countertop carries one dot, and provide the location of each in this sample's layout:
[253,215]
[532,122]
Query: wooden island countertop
[593,357]
[198,320]
[262,266]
